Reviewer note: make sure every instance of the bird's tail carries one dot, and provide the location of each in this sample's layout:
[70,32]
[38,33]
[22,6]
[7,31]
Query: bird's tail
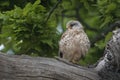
[60,54]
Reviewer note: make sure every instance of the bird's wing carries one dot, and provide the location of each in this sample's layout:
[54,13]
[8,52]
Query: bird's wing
[81,42]
[64,34]
[86,43]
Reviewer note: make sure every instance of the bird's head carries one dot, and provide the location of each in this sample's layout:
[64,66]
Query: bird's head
[73,24]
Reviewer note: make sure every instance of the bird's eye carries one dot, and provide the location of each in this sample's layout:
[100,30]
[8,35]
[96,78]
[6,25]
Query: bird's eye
[72,24]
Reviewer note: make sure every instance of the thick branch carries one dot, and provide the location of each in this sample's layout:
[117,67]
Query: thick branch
[14,67]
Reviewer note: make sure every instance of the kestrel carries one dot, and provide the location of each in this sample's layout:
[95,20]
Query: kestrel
[74,43]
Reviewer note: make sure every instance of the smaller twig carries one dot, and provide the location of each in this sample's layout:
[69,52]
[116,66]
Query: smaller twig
[51,11]
[82,21]
[77,16]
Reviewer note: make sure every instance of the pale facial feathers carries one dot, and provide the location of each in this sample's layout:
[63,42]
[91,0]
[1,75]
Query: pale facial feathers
[74,24]
[74,43]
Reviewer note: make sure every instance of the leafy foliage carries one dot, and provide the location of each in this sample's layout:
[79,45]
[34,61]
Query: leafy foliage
[28,31]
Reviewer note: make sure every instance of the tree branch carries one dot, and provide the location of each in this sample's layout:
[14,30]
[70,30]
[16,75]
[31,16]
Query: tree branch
[77,16]
[105,32]
[82,21]
[51,11]
[13,67]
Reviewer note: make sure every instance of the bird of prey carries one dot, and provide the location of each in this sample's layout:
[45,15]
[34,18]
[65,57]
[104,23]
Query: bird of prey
[74,43]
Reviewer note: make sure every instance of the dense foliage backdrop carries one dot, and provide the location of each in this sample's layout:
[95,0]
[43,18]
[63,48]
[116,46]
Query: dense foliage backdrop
[34,27]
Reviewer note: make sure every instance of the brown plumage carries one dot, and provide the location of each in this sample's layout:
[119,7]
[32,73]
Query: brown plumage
[74,43]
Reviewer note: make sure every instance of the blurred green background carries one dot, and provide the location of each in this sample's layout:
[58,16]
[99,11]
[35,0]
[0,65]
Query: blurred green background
[34,27]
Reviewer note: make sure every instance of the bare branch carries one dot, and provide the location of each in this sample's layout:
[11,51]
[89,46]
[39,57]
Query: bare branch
[83,22]
[51,11]
[77,16]
[105,32]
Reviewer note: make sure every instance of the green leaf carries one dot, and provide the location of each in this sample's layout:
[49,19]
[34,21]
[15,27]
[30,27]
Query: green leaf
[102,2]
[106,21]
[37,2]
[108,36]
[49,42]
[17,12]
[27,9]
[111,7]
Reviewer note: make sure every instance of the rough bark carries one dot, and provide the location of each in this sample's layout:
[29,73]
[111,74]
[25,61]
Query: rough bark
[13,67]
[37,68]
[109,66]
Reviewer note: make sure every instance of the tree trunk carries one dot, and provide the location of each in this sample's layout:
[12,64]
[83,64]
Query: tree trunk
[14,67]
[109,66]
